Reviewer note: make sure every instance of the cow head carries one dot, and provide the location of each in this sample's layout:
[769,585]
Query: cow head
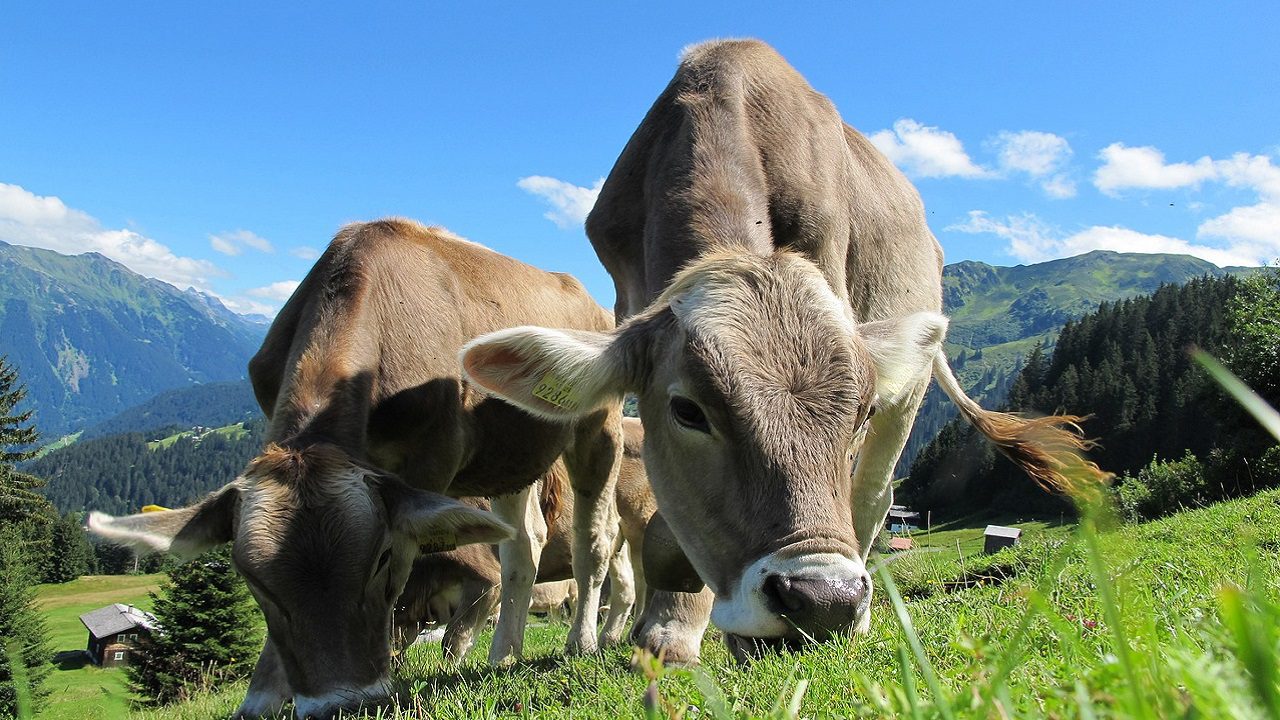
[325,544]
[755,388]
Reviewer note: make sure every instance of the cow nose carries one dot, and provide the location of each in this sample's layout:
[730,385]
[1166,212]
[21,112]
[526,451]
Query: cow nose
[818,606]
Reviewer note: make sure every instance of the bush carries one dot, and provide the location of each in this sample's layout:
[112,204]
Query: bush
[209,632]
[1162,488]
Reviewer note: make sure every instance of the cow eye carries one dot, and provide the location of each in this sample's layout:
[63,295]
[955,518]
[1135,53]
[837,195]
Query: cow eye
[687,413]
[382,561]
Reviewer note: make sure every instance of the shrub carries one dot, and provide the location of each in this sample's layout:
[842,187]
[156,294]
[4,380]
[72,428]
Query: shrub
[1163,487]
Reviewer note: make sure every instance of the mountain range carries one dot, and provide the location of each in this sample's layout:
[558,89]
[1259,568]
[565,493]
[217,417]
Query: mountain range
[91,337]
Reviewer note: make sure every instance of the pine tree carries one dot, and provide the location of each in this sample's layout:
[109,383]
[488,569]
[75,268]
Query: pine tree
[210,631]
[70,554]
[18,500]
[24,637]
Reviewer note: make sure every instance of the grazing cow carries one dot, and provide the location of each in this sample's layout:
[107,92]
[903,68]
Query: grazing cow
[781,291]
[460,587]
[368,412]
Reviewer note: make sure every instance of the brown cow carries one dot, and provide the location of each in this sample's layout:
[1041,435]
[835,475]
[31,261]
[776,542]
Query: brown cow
[780,286]
[360,379]
[459,587]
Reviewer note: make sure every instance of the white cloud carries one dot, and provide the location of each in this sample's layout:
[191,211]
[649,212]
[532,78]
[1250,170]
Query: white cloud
[47,222]
[232,243]
[1248,230]
[304,252]
[570,203]
[1040,155]
[927,152]
[249,306]
[1031,240]
[1032,152]
[1125,168]
[275,291]
[1059,187]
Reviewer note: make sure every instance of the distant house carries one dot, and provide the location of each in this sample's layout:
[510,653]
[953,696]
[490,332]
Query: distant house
[114,630]
[999,536]
[899,544]
[901,520]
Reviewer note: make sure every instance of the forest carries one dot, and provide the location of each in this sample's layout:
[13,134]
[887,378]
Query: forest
[1126,366]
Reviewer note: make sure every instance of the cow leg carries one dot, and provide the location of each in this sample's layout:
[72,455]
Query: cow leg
[673,625]
[642,591]
[872,492]
[622,597]
[478,601]
[593,461]
[519,559]
[268,688]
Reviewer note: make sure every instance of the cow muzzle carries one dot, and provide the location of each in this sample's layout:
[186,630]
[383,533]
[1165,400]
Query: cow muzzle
[809,596]
[328,706]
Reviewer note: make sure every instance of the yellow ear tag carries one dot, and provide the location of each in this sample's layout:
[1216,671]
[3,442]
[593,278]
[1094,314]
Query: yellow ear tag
[557,391]
[444,543]
[154,508]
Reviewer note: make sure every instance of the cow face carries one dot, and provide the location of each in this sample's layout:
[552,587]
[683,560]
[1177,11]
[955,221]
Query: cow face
[325,545]
[755,387]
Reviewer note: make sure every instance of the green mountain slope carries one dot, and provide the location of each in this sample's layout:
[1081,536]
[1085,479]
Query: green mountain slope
[209,404]
[998,314]
[90,337]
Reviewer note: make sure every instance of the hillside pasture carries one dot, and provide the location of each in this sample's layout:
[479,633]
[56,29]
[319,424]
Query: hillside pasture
[1172,618]
[79,690]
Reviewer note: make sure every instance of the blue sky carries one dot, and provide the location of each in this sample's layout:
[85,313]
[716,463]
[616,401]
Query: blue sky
[220,145]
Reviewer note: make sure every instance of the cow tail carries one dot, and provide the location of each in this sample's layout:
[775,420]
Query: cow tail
[555,483]
[1049,449]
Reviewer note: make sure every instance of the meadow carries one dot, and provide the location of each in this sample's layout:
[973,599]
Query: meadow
[79,690]
[1173,618]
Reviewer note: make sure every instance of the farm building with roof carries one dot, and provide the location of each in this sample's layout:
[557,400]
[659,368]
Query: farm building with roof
[113,632]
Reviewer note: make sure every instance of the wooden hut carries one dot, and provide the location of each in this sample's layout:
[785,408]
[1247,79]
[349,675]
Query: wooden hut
[999,536]
[113,632]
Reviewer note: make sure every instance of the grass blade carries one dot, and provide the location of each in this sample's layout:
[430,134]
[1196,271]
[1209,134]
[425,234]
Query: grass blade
[1111,611]
[926,668]
[1248,399]
[1256,655]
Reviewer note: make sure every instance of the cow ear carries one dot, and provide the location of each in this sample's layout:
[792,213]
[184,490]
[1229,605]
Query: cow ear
[555,374]
[435,522]
[903,350]
[184,533]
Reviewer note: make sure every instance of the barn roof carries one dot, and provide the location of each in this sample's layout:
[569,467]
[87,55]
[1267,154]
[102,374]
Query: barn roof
[1002,531]
[902,512]
[116,618]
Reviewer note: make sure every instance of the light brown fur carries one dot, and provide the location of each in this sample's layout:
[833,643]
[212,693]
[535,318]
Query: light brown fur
[775,273]
[369,417]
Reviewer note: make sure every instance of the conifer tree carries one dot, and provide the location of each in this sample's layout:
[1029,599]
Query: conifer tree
[18,500]
[70,554]
[24,638]
[210,631]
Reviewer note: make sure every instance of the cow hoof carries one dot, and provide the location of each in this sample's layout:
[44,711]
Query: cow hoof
[672,650]
[581,648]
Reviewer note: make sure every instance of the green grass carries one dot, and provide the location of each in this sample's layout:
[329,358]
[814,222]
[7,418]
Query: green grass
[58,444]
[231,432]
[80,690]
[1173,618]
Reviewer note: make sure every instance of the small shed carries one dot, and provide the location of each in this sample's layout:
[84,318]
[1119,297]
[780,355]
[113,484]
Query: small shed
[900,519]
[113,632]
[999,536]
[900,544]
